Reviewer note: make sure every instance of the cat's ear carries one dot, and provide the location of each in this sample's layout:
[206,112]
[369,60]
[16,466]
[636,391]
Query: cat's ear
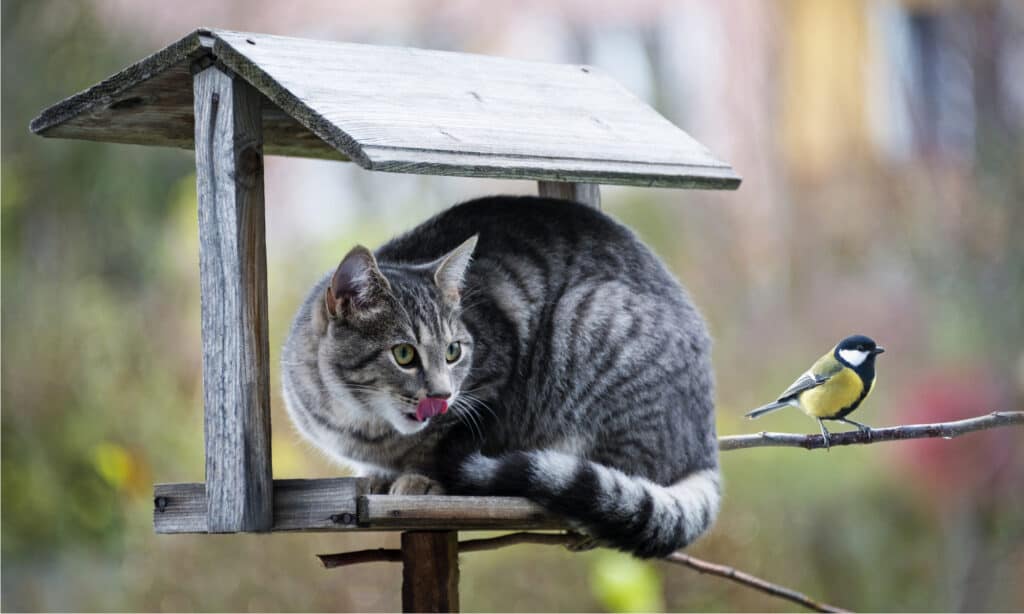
[357,284]
[451,272]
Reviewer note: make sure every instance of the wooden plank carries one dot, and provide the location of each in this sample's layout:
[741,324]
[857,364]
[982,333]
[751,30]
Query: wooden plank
[92,111]
[341,504]
[430,571]
[415,110]
[159,111]
[406,110]
[440,512]
[586,193]
[180,508]
[299,505]
[150,103]
[541,169]
[233,280]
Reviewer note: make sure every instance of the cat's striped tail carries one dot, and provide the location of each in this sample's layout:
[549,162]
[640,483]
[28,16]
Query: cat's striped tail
[621,511]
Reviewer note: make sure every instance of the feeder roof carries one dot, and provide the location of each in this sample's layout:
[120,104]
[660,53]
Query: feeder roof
[402,109]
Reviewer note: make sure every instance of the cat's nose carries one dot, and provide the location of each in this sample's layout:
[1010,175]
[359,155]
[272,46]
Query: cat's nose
[439,394]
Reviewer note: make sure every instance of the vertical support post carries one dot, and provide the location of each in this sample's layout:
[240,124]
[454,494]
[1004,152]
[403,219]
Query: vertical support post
[430,571]
[233,281]
[586,193]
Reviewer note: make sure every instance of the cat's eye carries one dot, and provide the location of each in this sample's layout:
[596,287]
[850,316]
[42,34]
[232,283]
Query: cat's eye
[453,351]
[404,354]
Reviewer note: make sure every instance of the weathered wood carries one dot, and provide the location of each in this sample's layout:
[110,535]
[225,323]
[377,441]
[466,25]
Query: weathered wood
[150,103]
[341,504]
[445,512]
[233,280]
[406,110]
[299,505]
[430,571]
[586,193]
[179,508]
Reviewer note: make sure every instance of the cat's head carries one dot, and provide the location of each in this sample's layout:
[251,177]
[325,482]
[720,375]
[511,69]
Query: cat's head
[391,337]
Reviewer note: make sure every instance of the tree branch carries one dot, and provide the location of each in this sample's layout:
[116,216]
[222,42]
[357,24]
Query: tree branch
[574,541]
[393,555]
[751,581]
[946,430]
[569,540]
[374,555]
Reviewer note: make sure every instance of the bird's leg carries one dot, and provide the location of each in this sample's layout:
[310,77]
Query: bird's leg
[860,427]
[824,435]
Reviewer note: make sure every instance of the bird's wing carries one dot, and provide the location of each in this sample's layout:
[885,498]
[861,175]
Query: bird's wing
[818,374]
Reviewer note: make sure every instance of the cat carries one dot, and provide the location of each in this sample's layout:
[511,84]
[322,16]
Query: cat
[576,369]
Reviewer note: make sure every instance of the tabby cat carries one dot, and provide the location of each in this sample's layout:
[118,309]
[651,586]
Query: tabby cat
[575,367]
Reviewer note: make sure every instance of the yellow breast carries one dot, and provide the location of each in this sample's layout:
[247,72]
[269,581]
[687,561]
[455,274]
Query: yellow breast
[827,400]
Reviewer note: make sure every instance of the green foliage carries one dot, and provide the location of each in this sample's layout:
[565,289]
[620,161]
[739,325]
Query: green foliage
[86,372]
[622,583]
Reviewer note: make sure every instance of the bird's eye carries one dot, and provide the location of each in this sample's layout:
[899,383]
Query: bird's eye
[453,351]
[404,354]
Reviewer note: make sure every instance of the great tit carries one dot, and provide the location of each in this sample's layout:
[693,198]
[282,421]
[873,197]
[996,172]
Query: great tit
[834,386]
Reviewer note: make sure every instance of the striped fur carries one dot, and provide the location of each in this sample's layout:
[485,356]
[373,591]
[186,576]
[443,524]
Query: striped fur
[585,382]
[619,510]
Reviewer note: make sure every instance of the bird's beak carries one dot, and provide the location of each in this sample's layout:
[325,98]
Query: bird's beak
[878,350]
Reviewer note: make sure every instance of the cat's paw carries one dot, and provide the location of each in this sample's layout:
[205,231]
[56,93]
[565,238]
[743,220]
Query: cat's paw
[415,484]
[378,484]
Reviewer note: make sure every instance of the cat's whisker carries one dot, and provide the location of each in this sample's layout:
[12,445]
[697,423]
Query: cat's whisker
[476,411]
[467,412]
[471,397]
[394,395]
[470,407]
[468,421]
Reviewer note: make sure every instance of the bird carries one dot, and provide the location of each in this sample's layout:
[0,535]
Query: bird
[834,386]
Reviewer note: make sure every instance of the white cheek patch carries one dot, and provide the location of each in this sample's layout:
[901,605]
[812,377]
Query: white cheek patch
[853,357]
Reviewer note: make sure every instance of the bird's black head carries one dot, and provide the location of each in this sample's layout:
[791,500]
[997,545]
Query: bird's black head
[857,350]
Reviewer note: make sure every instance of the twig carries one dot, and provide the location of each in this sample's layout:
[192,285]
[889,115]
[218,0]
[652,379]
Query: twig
[729,573]
[569,540]
[375,555]
[572,540]
[946,430]
[392,555]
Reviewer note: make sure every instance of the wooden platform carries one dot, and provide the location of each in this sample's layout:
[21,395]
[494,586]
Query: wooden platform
[341,504]
[402,110]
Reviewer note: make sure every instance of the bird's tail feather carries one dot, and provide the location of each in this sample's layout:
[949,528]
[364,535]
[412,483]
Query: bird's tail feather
[626,512]
[764,409]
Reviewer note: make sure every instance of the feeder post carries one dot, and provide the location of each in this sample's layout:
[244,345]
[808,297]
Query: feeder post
[586,193]
[233,281]
[430,571]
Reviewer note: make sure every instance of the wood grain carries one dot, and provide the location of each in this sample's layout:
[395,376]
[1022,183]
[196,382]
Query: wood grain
[233,285]
[430,571]
[586,193]
[446,512]
[299,505]
[341,504]
[405,110]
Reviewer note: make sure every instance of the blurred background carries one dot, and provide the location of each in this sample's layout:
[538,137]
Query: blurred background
[883,163]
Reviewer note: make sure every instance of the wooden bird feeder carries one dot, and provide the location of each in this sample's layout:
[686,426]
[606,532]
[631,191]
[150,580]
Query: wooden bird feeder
[235,96]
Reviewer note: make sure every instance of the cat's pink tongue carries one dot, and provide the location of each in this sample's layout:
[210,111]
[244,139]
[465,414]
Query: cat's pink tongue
[430,407]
